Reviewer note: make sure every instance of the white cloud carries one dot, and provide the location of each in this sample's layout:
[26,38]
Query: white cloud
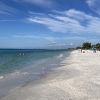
[48,38]
[91,2]
[71,21]
[94,5]
[47,3]
[7,20]
[78,15]
[25,36]
[6,9]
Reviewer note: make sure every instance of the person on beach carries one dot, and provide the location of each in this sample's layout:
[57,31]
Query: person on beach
[81,50]
[94,49]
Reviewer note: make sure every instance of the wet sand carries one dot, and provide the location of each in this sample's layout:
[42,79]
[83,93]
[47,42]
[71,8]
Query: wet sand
[77,79]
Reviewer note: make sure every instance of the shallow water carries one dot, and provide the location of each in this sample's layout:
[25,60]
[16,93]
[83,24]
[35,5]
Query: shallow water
[18,67]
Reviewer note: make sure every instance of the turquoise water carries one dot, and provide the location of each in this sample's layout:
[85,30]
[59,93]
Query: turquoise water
[20,67]
[11,60]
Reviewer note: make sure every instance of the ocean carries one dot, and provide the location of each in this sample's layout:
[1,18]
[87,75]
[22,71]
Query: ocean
[17,67]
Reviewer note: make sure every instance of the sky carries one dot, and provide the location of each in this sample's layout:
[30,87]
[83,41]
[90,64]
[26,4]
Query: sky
[48,23]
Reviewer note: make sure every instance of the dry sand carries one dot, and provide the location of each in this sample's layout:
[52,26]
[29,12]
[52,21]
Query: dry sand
[77,79]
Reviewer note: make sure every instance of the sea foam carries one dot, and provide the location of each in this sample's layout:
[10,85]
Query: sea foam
[1,77]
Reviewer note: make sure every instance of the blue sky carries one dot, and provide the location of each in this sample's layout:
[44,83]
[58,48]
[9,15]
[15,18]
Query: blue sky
[48,23]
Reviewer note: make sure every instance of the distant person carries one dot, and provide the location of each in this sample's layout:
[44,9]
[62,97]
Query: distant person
[94,50]
[81,50]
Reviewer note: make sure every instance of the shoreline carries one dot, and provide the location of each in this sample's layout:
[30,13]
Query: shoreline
[24,76]
[77,79]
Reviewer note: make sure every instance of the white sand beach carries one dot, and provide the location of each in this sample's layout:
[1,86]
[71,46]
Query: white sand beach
[77,79]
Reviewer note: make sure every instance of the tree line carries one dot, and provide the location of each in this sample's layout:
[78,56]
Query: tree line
[88,45]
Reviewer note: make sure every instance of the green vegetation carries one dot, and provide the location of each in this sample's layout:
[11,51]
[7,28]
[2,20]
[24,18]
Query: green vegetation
[97,46]
[88,45]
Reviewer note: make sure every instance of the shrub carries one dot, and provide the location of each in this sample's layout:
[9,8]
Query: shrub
[86,45]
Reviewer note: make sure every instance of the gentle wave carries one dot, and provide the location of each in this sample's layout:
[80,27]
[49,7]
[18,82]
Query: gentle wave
[17,73]
[60,56]
[1,77]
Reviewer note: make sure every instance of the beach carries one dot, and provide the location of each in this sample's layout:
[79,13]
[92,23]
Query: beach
[77,78]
